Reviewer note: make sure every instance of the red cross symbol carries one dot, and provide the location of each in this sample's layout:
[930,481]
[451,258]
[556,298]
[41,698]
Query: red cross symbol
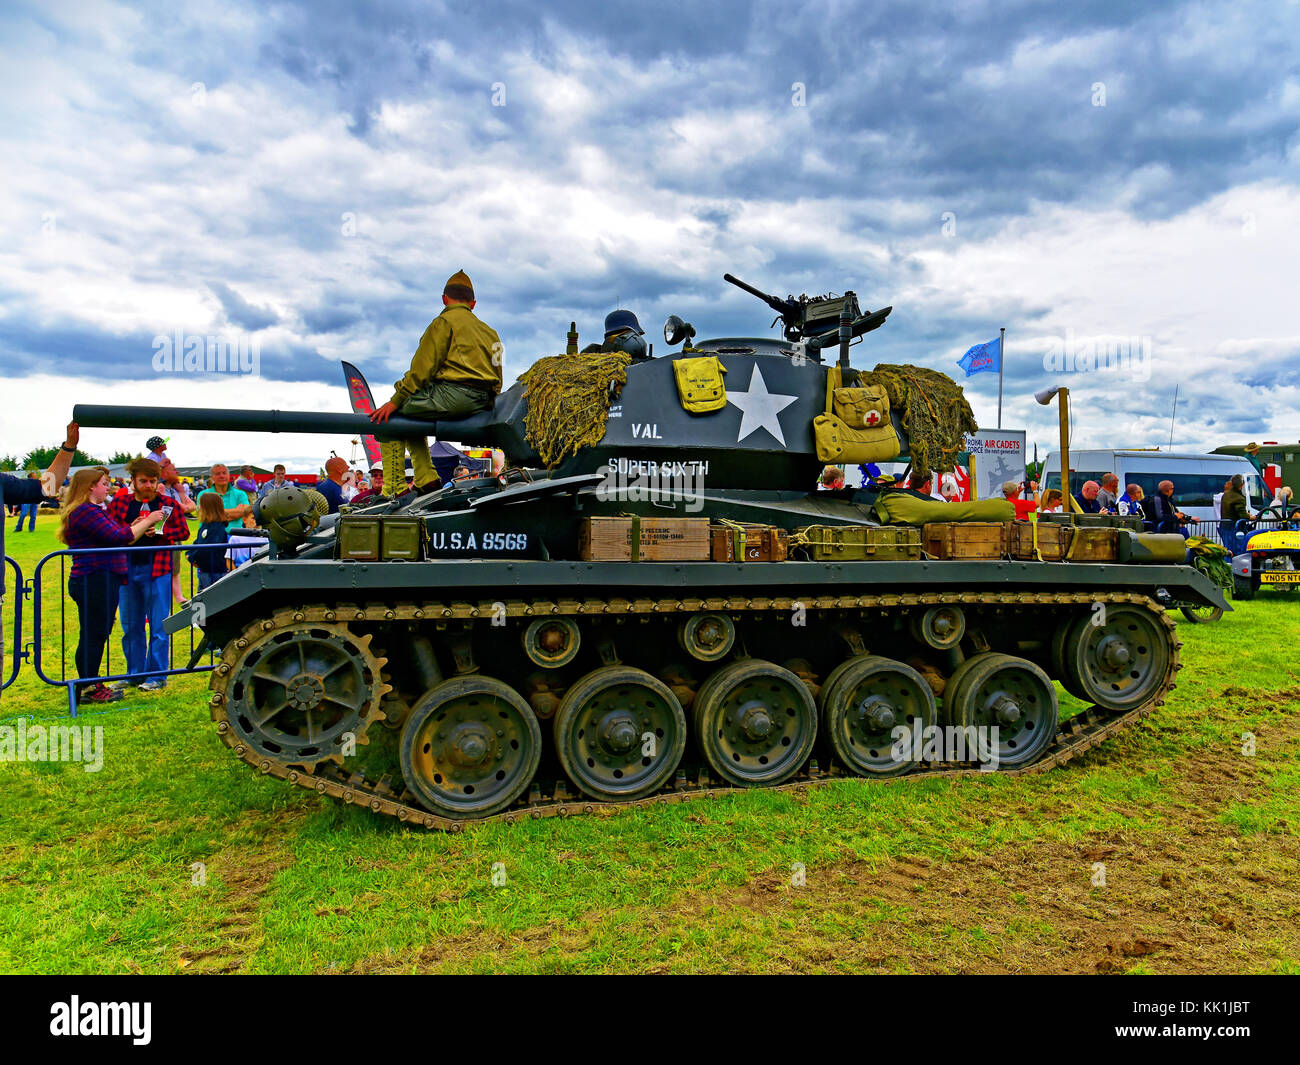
[872,418]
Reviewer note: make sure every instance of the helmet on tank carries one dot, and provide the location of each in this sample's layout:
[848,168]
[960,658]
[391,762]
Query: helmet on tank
[620,320]
[288,514]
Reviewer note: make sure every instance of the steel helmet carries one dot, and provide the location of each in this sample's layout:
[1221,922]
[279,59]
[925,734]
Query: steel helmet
[621,320]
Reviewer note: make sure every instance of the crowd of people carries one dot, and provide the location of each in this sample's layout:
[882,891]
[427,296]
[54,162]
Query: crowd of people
[1159,513]
[153,506]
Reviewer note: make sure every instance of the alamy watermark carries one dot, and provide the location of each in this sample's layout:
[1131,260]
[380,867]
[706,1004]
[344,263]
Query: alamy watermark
[77,1018]
[947,743]
[1129,356]
[53,743]
[647,481]
[183,352]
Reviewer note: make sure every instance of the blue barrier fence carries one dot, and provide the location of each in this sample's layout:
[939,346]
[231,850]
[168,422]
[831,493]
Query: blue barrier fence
[1232,534]
[51,602]
[16,591]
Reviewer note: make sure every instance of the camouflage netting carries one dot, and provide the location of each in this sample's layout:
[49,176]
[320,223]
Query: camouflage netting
[568,401]
[934,411]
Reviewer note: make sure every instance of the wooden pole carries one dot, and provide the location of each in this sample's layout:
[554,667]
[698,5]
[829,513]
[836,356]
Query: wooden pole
[1063,397]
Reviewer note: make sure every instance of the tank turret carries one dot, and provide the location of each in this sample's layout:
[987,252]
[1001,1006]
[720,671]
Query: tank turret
[760,436]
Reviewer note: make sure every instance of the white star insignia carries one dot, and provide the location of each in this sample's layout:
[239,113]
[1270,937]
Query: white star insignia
[759,408]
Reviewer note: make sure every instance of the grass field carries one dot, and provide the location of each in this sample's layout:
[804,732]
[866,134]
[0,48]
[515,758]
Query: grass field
[1199,845]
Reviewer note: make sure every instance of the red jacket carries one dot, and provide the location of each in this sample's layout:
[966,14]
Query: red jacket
[173,531]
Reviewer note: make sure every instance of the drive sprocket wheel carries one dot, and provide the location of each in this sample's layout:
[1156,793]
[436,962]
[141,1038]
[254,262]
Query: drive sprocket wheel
[305,693]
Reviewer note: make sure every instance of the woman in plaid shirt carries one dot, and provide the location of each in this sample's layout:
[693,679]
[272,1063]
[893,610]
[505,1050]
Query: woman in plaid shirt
[96,579]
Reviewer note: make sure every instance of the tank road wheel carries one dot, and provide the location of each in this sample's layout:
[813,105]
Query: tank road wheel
[1121,663]
[470,747]
[755,722]
[620,733]
[707,637]
[1200,615]
[1010,693]
[299,694]
[863,701]
[940,627]
[552,642]
[1062,637]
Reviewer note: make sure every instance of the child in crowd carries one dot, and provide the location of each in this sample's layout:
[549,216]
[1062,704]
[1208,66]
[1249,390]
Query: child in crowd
[210,564]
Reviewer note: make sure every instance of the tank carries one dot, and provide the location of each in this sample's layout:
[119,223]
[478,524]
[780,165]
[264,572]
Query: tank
[670,609]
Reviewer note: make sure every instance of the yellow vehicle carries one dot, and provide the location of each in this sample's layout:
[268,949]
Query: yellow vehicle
[1271,559]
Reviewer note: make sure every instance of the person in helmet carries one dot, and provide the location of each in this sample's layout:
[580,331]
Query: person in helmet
[622,333]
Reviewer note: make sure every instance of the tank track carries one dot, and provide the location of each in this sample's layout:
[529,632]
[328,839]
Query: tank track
[1075,736]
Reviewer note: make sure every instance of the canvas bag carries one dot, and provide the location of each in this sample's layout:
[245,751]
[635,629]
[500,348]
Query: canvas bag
[839,439]
[699,384]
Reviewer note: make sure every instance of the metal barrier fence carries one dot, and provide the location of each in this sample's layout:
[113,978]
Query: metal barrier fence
[48,661]
[1226,532]
[16,589]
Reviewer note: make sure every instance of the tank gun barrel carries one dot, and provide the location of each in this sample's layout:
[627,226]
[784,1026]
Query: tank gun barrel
[251,421]
[785,308]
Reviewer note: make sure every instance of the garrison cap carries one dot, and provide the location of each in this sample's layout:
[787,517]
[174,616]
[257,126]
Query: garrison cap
[459,287]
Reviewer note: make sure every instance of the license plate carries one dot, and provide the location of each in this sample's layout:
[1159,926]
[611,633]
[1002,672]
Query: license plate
[1279,578]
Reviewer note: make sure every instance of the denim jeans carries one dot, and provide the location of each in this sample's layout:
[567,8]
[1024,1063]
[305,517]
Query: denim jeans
[145,598]
[28,511]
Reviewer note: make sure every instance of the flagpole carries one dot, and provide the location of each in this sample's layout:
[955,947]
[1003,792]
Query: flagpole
[1002,358]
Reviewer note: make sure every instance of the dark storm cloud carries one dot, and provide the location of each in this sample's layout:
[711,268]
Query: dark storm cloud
[239,311]
[985,111]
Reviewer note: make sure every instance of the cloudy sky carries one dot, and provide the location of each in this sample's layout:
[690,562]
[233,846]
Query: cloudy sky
[305,176]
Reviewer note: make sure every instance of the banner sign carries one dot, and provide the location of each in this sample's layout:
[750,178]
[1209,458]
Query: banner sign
[996,455]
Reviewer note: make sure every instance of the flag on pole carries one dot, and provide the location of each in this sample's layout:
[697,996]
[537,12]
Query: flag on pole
[982,358]
[362,403]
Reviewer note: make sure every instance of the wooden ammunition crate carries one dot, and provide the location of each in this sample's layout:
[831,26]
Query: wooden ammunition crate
[965,539]
[637,539]
[859,543]
[748,543]
[1053,540]
[1094,545]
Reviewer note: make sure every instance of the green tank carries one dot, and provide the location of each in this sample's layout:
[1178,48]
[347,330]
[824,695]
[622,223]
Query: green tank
[655,604]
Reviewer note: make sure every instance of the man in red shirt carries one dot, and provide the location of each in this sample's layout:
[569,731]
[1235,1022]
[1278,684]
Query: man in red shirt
[374,492]
[146,597]
[1024,507]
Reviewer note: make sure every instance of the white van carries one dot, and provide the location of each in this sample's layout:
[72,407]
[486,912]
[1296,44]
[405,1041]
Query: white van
[1197,478]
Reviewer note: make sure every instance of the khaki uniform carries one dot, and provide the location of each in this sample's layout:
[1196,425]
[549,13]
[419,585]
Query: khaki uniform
[1233,507]
[455,372]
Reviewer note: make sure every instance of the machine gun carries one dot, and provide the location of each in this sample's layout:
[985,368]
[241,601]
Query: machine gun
[816,319]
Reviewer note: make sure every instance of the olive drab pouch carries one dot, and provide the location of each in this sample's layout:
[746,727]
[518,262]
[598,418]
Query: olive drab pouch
[839,439]
[861,408]
[699,384]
